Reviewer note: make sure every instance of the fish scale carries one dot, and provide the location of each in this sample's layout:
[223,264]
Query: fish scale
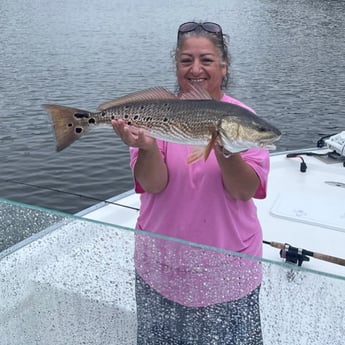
[174,119]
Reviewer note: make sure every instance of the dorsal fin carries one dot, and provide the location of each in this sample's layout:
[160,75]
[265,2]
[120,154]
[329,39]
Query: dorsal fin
[153,93]
[196,92]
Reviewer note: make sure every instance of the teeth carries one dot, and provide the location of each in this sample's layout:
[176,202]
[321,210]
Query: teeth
[197,80]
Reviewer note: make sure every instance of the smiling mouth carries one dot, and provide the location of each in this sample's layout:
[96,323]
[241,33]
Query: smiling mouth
[196,80]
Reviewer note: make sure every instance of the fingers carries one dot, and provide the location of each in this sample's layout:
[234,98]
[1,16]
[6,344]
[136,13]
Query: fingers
[128,134]
[131,135]
[116,126]
[119,127]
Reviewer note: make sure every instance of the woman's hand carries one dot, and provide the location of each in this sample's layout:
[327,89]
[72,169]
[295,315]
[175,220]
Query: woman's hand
[149,170]
[133,136]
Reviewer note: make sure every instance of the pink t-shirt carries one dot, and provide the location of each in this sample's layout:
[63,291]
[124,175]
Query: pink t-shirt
[194,207]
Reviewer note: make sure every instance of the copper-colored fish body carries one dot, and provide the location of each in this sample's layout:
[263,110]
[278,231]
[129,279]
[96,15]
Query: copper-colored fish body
[186,120]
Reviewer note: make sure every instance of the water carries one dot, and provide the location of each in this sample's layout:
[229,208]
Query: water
[287,64]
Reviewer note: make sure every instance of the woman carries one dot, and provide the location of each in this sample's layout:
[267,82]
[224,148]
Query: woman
[186,294]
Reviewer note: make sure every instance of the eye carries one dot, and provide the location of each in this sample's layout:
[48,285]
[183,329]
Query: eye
[186,61]
[207,61]
[262,129]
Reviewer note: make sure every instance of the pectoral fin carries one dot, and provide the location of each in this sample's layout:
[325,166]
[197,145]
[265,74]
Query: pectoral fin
[199,152]
[195,154]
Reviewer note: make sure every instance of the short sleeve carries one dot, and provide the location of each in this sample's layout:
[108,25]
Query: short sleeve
[259,160]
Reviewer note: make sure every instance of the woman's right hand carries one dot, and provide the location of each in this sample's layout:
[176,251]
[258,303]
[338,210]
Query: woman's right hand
[133,136]
[149,170]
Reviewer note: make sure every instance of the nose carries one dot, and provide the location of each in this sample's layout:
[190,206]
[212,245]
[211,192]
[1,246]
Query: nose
[196,67]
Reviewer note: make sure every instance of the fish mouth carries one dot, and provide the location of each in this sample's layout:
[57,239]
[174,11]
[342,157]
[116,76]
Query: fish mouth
[269,146]
[268,143]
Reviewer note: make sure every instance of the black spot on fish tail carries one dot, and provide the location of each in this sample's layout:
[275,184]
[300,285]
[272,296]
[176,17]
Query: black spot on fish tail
[67,124]
[81,115]
[92,121]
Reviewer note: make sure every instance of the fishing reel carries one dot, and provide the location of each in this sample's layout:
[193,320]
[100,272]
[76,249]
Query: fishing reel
[336,143]
[293,255]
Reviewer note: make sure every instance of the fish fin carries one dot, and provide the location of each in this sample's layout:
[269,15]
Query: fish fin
[210,145]
[195,92]
[198,152]
[67,127]
[153,93]
[195,154]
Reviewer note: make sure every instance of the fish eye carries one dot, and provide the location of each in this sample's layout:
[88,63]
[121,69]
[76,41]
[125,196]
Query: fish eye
[262,129]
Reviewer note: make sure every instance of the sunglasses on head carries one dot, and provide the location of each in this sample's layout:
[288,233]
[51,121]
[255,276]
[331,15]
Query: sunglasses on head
[211,27]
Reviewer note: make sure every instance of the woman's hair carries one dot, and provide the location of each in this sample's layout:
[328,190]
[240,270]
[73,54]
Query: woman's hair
[220,42]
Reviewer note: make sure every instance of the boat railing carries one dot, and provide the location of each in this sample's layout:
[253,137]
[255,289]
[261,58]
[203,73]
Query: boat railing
[71,280]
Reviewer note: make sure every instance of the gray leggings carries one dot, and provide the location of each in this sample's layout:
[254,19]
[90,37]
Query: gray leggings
[164,322]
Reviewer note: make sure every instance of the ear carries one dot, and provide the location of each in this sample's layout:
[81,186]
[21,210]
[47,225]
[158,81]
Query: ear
[224,69]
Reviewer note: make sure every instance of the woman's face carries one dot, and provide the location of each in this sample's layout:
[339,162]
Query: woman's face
[199,62]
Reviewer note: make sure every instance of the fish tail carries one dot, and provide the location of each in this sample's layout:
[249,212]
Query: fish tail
[67,124]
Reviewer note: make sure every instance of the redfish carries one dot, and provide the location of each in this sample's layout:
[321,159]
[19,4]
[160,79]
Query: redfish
[192,118]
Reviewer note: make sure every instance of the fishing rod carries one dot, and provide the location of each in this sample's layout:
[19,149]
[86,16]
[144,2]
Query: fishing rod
[68,193]
[298,255]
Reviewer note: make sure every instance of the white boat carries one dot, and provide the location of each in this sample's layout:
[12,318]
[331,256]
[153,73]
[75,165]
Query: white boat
[73,283]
